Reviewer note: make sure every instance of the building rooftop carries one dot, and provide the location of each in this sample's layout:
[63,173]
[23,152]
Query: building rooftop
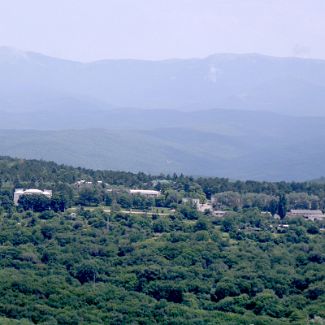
[305,211]
[33,190]
[149,192]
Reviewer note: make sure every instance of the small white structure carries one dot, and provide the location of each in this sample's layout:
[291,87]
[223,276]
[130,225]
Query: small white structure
[83,184]
[193,202]
[307,214]
[205,207]
[220,213]
[282,228]
[19,192]
[147,193]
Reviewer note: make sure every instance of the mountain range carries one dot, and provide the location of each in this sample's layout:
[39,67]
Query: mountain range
[225,81]
[240,116]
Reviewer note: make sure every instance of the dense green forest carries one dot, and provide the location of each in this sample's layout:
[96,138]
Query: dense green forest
[81,258]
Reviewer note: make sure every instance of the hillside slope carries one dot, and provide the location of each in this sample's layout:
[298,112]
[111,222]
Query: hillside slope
[82,257]
[244,151]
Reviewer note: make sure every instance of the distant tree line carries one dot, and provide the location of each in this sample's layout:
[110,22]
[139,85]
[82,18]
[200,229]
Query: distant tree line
[225,194]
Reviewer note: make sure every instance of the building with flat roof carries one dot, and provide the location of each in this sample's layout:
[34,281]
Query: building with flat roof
[19,192]
[147,193]
[306,214]
[82,184]
[193,202]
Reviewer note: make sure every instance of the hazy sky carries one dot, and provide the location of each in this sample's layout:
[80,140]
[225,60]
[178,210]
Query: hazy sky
[156,29]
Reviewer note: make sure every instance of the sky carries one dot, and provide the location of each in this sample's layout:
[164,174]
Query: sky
[88,30]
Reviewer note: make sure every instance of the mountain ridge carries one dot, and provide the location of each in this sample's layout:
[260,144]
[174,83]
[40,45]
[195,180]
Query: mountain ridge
[180,150]
[21,52]
[227,81]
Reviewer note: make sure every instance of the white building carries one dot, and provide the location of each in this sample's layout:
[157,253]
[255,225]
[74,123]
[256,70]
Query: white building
[83,184]
[147,193]
[194,202]
[307,214]
[220,213]
[19,192]
[205,207]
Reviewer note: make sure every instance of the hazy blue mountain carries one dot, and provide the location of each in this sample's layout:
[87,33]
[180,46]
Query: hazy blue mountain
[248,81]
[245,145]
[210,116]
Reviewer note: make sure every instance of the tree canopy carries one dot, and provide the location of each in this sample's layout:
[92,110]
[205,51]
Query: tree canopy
[96,262]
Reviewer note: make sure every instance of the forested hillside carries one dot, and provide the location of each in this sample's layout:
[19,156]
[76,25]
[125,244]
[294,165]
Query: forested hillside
[241,145]
[100,255]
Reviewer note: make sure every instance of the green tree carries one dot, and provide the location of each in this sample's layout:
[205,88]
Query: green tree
[36,203]
[88,197]
[282,206]
[86,272]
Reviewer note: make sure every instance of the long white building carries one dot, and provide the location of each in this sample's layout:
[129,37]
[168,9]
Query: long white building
[147,193]
[19,192]
[307,214]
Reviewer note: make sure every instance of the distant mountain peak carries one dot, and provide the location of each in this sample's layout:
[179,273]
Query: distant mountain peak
[11,52]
